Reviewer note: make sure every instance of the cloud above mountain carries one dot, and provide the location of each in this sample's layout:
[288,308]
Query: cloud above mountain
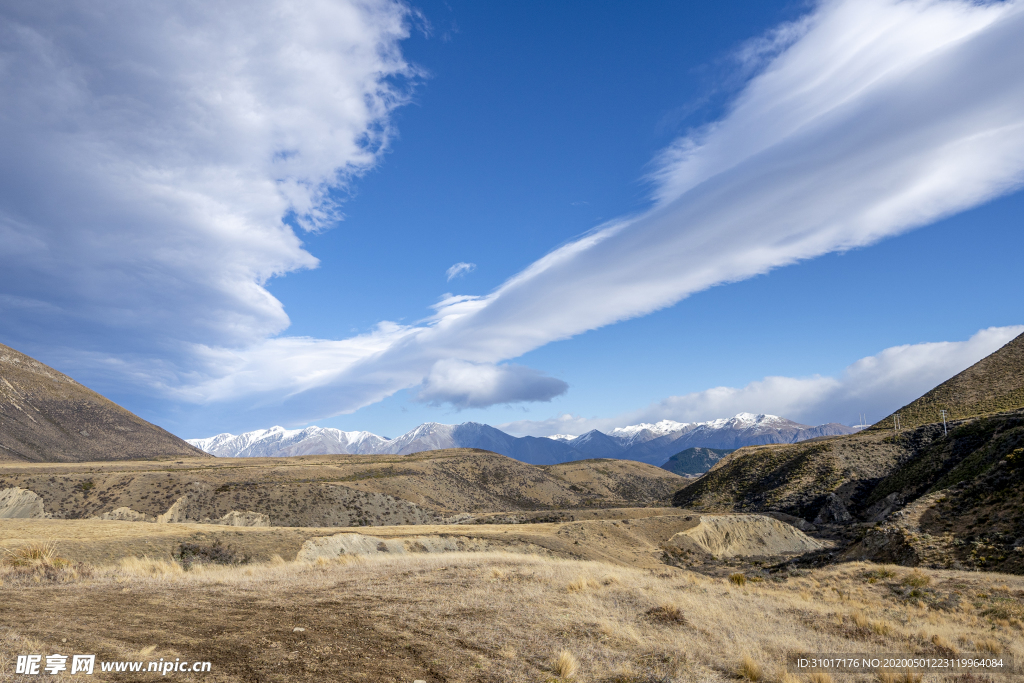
[472,385]
[876,385]
[178,161]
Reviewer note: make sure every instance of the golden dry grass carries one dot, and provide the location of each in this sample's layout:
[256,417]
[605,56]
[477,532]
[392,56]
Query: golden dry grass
[749,669]
[510,618]
[565,664]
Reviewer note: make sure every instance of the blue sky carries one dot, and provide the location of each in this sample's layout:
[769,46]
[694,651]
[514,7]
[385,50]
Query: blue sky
[799,208]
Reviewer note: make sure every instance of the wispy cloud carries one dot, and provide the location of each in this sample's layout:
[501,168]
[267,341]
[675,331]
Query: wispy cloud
[875,386]
[458,269]
[866,119]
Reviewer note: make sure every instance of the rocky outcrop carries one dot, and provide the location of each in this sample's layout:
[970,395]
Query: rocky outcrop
[19,503]
[180,511]
[886,545]
[247,518]
[743,536]
[125,514]
[186,510]
[833,512]
[798,522]
[883,508]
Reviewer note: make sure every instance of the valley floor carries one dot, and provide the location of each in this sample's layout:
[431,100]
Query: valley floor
[537,614]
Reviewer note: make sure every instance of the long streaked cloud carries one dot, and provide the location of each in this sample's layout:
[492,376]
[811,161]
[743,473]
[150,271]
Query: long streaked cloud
[867,118]
[873,386]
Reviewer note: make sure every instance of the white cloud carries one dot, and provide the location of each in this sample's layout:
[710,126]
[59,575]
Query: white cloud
[875,386]
[459,269]
[176,139]
[153,150]
[478,385]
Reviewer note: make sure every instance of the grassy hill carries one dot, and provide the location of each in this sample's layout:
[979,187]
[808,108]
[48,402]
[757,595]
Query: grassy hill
[994,384]
[696,460]
[939,496]
[46,416]
[340,490]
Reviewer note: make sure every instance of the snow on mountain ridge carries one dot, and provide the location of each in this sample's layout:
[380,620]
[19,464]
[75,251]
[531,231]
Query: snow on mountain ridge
[645,442]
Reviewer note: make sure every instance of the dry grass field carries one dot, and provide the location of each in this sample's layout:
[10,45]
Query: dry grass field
[341,490]
[493,617]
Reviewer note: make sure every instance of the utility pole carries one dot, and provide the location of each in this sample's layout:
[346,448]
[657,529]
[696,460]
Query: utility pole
[945,432]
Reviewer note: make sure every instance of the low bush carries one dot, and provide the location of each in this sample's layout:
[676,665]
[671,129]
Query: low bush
[190,554]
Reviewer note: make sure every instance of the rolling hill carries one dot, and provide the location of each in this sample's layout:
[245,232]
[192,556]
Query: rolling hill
[994,384]
[46,416]
[950,496]
[333,490]
[695,460]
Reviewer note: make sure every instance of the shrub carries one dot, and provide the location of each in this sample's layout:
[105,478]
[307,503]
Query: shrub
[214,553]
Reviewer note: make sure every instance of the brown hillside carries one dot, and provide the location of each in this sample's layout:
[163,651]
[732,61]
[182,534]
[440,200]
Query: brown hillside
[994,384]
[46,416]
[340,490]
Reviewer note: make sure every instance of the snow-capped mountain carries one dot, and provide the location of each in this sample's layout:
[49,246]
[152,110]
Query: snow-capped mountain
[651,443]
[278,441]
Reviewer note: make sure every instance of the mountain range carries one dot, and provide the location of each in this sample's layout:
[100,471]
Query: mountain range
[650,443]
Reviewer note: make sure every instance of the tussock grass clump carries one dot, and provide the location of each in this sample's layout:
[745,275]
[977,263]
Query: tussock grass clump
[916,579]
[738,579]
[565,664]
[989,645]
[749,669]
[875,575]
[819,678]
[666,614]
[40,561]
[582,583]
[943,644]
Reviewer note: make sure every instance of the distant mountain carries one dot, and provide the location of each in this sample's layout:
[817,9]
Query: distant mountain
[656,443]
[278,441]
[694,461]
[650,443]
[46,416]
